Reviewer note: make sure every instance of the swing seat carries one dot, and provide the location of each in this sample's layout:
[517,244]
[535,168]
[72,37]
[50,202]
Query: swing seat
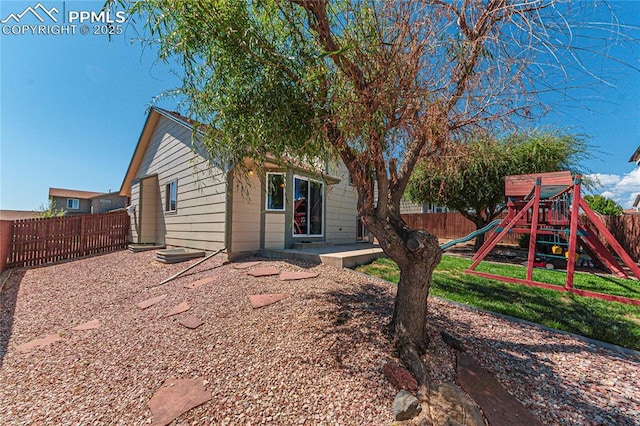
[556,250]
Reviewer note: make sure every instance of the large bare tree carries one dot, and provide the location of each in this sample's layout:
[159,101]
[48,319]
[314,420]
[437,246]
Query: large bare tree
[378,84]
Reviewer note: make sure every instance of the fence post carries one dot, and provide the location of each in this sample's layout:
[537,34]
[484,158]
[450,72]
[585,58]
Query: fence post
[83,236]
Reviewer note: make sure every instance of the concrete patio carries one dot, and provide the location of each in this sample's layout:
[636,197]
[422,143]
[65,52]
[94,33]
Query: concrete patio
[340,256]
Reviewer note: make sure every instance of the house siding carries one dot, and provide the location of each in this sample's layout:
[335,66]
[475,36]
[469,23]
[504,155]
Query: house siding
[274,230]
[84,205]
[245,221]
[199,219]
[341,207]
[116,202]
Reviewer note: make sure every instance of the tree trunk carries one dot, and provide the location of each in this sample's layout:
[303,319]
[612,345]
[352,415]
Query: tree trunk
[480,222]
[479,241]
[416,258]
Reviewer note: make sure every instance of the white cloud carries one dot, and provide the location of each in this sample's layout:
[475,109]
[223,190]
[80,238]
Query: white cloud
[605,180]
[630,182]
[622,189]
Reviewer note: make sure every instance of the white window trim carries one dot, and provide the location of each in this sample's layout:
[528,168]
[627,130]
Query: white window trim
[167,194]
[284,193]
[293,213]
[74,202]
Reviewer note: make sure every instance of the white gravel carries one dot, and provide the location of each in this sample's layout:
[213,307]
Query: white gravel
[314,358]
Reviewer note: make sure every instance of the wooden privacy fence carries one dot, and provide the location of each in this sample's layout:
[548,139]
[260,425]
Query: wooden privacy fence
[625,228]
[41,241]
[446,225]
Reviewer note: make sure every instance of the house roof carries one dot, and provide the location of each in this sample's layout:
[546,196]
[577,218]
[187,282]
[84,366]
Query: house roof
[145,138]
[636,156]
[17,214]
[72,193]
[636,203]
[143,142]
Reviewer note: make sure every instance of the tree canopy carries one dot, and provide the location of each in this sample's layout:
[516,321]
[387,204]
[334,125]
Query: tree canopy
[376,84]
[50,210]
[471,178]
[603,205]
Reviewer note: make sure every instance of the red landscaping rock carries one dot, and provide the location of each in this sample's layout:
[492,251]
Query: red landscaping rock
[176,397]
[399,377]
[38,343]
[150,302]
[263,272]
[90,325]
[260,300]
[297,275]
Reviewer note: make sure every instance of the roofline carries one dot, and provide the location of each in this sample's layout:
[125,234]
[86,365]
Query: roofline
[78,193]
[635,158]
[178,118]
[143,142]
[145,137]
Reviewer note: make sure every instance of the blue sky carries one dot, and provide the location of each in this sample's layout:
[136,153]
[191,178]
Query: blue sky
[72,107]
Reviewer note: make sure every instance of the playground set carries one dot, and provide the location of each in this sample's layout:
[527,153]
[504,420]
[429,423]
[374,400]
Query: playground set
[549,204]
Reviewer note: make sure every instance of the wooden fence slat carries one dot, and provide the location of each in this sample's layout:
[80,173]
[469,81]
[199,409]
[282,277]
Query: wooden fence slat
[40,241]
[625,228]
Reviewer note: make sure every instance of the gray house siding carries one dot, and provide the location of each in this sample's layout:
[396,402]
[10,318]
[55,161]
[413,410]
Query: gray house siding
[84,206]
[199,218]
[107,202]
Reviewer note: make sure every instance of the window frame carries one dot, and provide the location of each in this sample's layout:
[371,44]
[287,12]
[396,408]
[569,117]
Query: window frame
[293,213]
[171,195]
[71,202]
[283,189]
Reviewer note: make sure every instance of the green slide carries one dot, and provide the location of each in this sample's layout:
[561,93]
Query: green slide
[471,236]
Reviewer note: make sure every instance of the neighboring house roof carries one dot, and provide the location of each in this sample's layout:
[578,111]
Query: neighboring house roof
[636,156]
[106,195]
[636,203]
[17,214]
[72,193]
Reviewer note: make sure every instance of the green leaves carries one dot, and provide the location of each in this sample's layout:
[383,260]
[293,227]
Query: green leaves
[603,205]
[471,180]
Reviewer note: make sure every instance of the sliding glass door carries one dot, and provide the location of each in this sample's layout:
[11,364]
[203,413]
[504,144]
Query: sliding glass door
[307,207]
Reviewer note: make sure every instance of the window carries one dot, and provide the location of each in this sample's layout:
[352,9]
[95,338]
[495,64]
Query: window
[73,204]
[307,207]
[171,196]
[275,191]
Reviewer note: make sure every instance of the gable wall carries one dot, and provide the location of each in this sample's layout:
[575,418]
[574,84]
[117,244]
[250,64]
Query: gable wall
[199,221]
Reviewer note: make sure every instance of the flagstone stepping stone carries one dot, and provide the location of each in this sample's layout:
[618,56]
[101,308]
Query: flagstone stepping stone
[150,302]
[175,397]
[178,309]
[191,322]
[199,283]
[90,325]
[38,343]
[244,265]
[263,272]
[297,275]
[260,300]
[498,405]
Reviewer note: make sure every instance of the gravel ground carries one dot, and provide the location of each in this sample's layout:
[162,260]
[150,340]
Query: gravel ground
[314,358]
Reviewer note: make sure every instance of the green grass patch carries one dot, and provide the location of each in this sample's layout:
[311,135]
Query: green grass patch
[598,319]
